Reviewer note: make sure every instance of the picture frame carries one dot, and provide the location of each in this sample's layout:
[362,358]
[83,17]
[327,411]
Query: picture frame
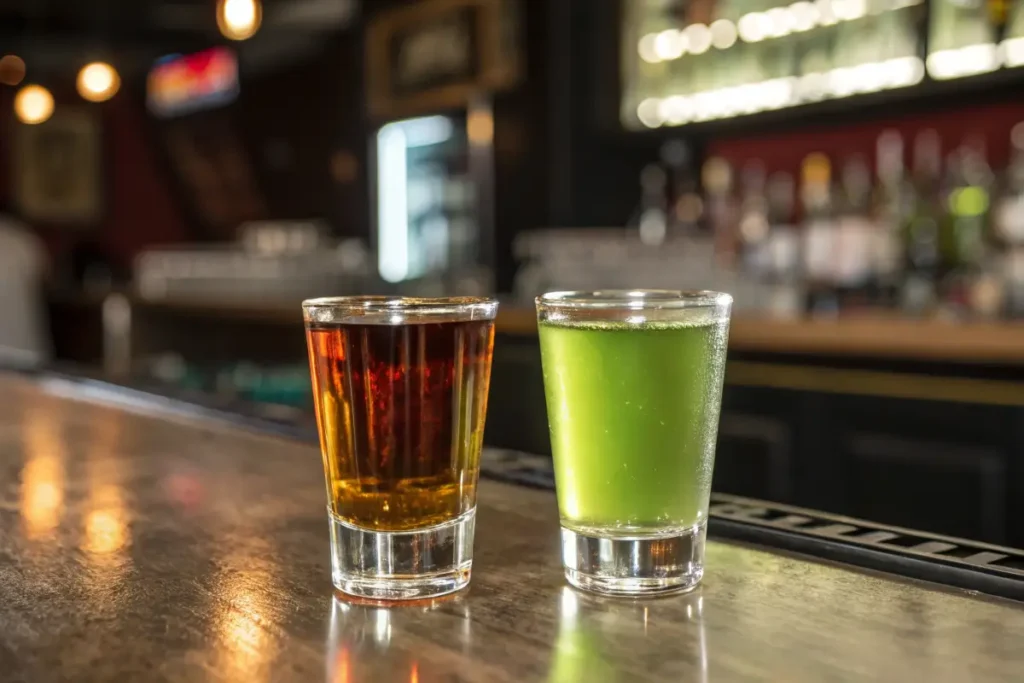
[433,56]
[58,174]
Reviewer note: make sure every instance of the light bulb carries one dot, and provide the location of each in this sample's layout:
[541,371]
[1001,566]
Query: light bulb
[98,82]
[33,104]
[239,19]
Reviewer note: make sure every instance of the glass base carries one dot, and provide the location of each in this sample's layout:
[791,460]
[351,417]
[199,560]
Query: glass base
[402,565]
[672,562]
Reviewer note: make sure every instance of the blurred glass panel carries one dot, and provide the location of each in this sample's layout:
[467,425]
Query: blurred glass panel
[713,59]
[427,221]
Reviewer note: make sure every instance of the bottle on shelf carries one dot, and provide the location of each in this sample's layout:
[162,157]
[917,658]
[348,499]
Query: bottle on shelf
[854,233]
[921,230]
[819,234]
[889,213]
[968,284]
[721,210]
[652,223]
[685,201]
[785,281]
[752,224]
[1008,225]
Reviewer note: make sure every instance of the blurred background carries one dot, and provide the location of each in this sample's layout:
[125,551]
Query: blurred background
[177,175]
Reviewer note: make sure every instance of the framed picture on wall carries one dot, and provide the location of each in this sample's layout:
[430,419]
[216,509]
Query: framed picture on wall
[436,54]
[58,168]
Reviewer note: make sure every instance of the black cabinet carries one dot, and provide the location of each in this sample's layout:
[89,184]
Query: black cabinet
[756,439]
[940,466]
[932,465]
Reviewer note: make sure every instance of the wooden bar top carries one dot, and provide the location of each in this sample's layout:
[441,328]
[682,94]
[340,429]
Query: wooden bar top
[869,336]
[138,547]
[883,336]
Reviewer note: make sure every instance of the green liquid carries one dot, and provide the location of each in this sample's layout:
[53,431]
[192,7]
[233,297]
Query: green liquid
[633,413]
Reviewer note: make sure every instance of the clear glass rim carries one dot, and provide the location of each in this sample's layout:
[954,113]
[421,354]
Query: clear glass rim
[406,308]
[633,299]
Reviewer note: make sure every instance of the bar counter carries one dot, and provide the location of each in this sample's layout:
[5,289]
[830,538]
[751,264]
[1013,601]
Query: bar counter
[143,544]
[878,335]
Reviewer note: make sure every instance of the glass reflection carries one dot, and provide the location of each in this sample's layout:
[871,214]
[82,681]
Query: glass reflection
[106,524]
[360,631]
[598,637]
[42,478]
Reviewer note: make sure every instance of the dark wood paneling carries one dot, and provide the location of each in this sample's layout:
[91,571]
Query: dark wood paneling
[927,484]
[754,456]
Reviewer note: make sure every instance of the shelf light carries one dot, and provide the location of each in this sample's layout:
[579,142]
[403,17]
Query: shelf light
[698,38]
[754,27]
[670,44]
[649,112]
[675,110]
[969,60]
[780,22]
[723,34]
[849,10]
[805,16]
[1012,50]
[826,13]
[779,93]
[645,48]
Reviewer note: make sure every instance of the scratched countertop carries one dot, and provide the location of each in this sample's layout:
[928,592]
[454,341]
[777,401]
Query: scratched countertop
[137,546]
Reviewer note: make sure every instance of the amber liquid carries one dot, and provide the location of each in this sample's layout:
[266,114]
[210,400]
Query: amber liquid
[400,410]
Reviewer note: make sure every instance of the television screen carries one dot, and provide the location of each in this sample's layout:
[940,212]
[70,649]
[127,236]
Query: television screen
[182,84]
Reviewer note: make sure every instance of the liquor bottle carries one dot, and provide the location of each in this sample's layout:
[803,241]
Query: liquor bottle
[753,226]
[1008,225]
[721,209]
[889,213]
[921,231]
[964,242]
[787,295]
[854,232]
[652,223]
[684,199]
[819,234]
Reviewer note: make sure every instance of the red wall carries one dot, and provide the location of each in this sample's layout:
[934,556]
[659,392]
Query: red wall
[139,208]
[785,152]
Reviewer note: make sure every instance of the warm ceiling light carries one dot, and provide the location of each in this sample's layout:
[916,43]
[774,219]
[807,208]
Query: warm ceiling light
[98,82]
[33,104]
[239,19]
[12,69]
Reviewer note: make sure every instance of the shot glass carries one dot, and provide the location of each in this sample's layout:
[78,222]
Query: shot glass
[400,387]
[633,381]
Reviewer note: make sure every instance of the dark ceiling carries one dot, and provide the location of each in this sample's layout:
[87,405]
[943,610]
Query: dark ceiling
[54,36]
